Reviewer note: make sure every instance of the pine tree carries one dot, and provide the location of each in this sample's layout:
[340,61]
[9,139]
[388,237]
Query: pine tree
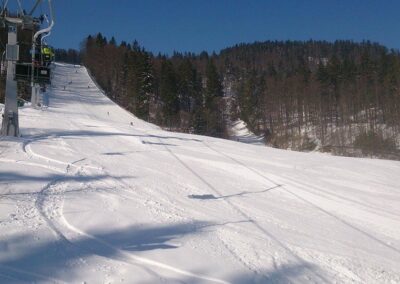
[168,91]
[113,41]
[214,106]
[213,84]
[145,86]
[188,90]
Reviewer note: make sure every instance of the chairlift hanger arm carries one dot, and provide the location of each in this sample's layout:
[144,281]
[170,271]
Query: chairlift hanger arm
[48,33]
[49,28]
[46,30]
[43,37]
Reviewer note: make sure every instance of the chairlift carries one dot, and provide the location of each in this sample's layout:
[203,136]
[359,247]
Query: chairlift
[43,57]
[37,68]
[19,69]
[41,75]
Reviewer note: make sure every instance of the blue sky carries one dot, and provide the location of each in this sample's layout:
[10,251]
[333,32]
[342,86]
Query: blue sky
[196,25]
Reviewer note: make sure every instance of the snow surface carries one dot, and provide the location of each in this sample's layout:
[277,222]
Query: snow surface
[92,194]
[239,132]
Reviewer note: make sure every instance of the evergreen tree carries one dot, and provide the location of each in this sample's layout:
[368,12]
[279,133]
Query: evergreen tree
[281,88]
[145,86]
[113,41]
[213,84]
[168,91]
[188,90]
[214,106]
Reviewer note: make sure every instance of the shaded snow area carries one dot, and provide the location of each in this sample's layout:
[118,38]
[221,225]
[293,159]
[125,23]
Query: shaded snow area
[240,133]
[91,194]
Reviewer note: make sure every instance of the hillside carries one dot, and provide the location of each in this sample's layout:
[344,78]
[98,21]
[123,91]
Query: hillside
[340,97]
[92,194]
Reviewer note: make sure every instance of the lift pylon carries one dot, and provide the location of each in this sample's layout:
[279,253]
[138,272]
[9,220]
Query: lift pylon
[11,21]
[10,125]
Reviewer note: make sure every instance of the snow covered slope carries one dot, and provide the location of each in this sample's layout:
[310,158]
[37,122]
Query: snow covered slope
[92,194]
[238,131]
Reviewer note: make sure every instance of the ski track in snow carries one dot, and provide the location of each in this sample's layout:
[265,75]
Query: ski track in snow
[226,245]
[241,213]
[246,216]
[295,184]
[259,245]
[298,185]
[47,203]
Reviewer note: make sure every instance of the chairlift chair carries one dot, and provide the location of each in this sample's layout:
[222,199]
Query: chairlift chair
[43,58]
[41,75]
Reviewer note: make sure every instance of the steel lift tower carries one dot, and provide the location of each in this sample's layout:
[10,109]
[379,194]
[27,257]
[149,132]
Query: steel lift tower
[11,21]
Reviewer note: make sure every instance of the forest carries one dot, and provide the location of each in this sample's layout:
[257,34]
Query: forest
[341,97]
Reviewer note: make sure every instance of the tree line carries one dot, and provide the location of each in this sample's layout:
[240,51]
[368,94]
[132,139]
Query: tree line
[175,92]
[343,94]
[340,96]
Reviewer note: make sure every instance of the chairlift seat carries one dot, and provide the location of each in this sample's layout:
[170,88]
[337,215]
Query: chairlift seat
[23,72]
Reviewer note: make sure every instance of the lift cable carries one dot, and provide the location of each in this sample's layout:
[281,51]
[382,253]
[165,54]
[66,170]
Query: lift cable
[34,7]
[5,3]
[20,8]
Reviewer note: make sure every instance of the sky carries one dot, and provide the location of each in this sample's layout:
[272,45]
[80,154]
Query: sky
[211,25]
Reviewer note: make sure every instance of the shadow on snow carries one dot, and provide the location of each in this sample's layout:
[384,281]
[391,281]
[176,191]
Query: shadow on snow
[63,259]
[57,259]
[243,193]
[55,133]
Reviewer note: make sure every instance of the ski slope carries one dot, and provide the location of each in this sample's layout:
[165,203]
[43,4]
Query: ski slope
[91,194]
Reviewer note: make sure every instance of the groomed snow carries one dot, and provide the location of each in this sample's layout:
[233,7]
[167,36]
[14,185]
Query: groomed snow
[91,194]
